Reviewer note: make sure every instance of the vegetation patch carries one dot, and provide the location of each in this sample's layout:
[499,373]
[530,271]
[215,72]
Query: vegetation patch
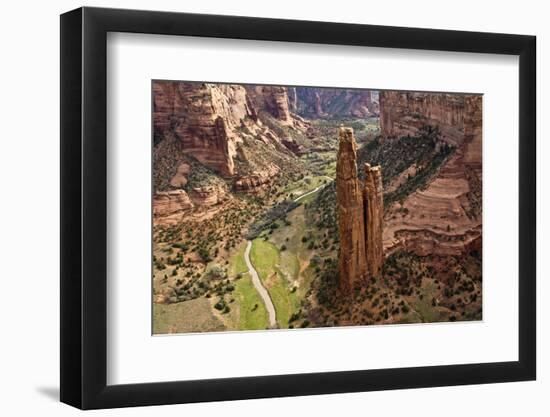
[426,151]
[252,312]
[189,316]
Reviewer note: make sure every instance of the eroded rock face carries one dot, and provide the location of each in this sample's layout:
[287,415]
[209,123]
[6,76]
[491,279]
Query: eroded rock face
[352,261]
[170,206]
[373,200]
[208,195]
[163,107]
[405,113]
[204,117]
[209,121]
[180,179]
[445,217]
[360,216]
[292,146]
[273,99]
[257,181]
[322,102]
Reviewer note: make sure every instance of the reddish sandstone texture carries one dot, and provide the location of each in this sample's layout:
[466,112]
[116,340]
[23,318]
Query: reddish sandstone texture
[209,123]
[444,218]
[323,102]
[373,206]
[360,211]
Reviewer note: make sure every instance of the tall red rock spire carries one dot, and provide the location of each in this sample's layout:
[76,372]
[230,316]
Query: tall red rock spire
[352,260]
[360,210]
[373,198]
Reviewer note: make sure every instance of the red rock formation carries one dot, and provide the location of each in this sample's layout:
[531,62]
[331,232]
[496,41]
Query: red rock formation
[208,195]
[322,102]
[360,216]
[273,99]
[443,218]
[292,146]
[170,206]
[373,195]
[352,262]
[209,121]
[180,179]
[405,113]
[163,107]
[257,181]
[205,119]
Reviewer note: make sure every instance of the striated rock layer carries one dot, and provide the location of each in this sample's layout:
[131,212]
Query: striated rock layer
[239,132]
[445,217]
[405,113]
[170,203]
[273,99]
[171,207]
[256,182]
[210,120]
[204,118]
[328,102]
[360,216]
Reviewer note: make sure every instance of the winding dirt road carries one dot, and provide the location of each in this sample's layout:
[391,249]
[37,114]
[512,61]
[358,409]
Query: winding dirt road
[254,274]
[260,287]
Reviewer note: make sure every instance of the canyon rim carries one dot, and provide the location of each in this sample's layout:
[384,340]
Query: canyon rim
[292,207]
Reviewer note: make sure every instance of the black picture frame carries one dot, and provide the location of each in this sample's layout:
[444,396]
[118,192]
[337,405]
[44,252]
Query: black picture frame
[84,207]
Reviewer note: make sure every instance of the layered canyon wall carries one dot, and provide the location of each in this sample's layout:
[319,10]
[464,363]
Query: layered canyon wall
[210,123]
[445,216]
[204,119]
[405,113]
[208,120]
[373,206]
[329,102]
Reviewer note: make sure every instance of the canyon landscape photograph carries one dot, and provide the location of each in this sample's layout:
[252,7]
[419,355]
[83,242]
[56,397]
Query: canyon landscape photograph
[294,207]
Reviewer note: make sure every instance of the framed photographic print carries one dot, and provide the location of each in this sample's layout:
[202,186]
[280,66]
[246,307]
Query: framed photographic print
[257,208]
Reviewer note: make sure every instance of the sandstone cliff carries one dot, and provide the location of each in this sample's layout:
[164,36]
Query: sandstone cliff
[360,210]
[443,218]
[244,134]
[257,181]
[210,121]
[204,118]
[405,113]
[373,202]
[273,99]
[325,102]
[170,206]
